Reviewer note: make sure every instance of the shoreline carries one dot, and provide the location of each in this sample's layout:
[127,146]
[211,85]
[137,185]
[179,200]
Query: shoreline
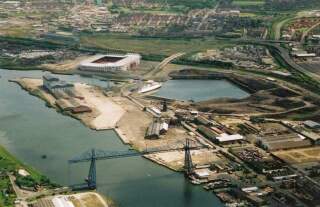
[10,164]
[129,134]
[94,120]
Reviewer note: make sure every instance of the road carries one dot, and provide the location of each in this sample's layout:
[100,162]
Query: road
[305,33]
[204,18]
[277,28]
[284,55]
[163,63]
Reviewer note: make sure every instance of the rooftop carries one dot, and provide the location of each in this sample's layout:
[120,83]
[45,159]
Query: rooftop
[108,59]
[311,124]
[226,137]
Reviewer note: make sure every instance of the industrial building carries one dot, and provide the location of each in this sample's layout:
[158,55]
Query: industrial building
[53,84]
[66,97]
[219,137]
[312,124]
[110,63]
[201,120]
[283,141]
[228,139]
[155,129]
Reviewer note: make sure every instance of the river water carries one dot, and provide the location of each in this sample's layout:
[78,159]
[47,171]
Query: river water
[29,129]
[200,90]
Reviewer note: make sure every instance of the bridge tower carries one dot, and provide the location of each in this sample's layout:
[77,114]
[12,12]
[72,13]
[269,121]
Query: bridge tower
[92,177]
[188,166]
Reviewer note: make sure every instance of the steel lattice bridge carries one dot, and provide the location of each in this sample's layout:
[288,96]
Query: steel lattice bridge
[94,155]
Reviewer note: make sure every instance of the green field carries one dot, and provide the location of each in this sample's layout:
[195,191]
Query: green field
[159,46]
[8,163]
[244,3]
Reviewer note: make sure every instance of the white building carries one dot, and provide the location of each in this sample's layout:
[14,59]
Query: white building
[226,138]
[111,63]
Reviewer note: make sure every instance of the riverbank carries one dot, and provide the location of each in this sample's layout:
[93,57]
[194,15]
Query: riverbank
[11,165]
[81,199]
[43,131]
[104,114]
[128,119]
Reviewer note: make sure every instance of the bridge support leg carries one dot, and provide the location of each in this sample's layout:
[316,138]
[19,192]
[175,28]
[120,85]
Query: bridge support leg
[188,166]
[92,177]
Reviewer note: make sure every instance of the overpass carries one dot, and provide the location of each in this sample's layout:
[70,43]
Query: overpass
[163,63]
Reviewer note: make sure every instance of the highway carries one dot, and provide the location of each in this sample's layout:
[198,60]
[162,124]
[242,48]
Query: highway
[163,63]
[284,55]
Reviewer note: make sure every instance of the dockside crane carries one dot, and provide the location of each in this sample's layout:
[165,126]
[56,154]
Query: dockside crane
[94,155]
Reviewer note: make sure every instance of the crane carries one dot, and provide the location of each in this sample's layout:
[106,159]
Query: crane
[94,155]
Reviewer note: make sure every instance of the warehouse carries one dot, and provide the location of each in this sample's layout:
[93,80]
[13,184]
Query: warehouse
[312,124]
[155,129]
[207,132]
[111,63]
[53,84]
[283,141]
[228,139]
[203,121]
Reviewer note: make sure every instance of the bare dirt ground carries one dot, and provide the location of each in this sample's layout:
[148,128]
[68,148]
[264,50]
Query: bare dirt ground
[85,199]
[105,112]
[89,199]
[35,86]
[64,66]
[296,156]
[175,159]
[134,123]
[129,121]
[109,112]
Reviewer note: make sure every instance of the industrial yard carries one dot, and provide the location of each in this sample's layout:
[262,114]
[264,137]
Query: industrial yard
[224,92]
[95,110]
[221,150]
[89,199]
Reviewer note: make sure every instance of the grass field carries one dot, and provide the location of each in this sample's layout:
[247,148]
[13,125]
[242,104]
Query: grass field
[9,163]
[244,3]
[160,46]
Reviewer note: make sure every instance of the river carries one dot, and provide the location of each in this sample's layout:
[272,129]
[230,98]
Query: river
[28,129]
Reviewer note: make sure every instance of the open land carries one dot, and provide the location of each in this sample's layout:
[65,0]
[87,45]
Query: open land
[86,199]
[105,113]
[299,156]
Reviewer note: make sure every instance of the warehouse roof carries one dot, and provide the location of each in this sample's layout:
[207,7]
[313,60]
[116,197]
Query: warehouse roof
[227,138]
[312,124]
[287,144]
[49,77]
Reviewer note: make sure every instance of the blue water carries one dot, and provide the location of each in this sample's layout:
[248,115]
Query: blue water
[29,129]
[200,90]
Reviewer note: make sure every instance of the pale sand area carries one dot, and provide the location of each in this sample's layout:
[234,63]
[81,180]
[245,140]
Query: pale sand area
[34,86]
[109,112]
[89,199]
[105,112]
[64,66]
[175,159]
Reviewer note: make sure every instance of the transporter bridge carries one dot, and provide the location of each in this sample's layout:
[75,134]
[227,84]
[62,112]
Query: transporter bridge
[94,155]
